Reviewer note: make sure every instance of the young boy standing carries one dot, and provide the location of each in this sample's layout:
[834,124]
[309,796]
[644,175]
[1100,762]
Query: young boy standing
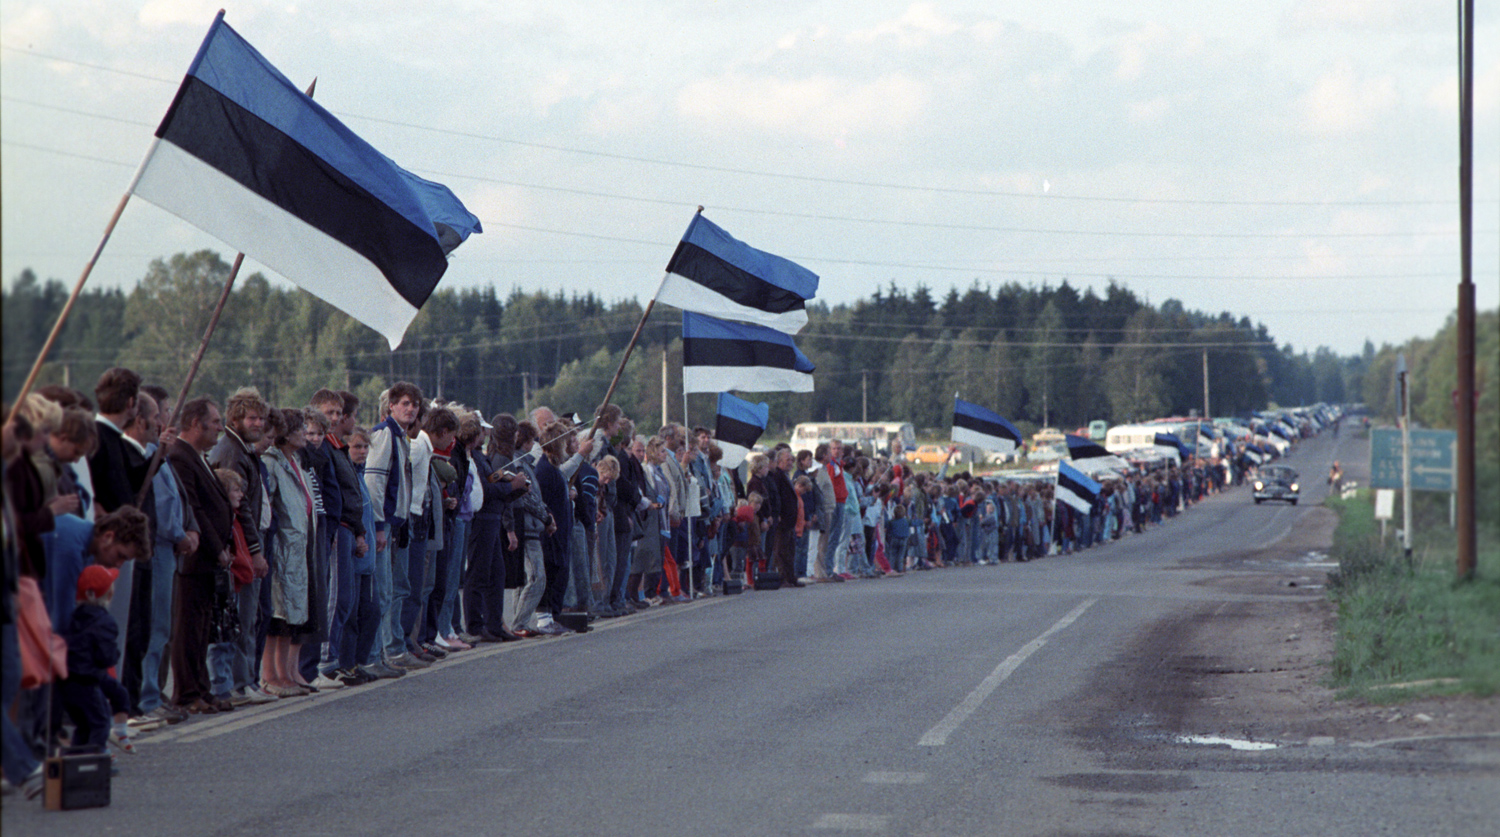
[91,693]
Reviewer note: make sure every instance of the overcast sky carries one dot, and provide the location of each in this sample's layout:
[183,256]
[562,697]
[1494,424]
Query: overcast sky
[1296,162]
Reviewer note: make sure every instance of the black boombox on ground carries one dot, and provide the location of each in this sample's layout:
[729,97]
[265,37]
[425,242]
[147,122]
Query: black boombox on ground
[76,780]
[768,580]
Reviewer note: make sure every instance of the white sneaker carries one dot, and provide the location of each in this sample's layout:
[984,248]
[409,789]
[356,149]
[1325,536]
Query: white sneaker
[254,695]
[326,683]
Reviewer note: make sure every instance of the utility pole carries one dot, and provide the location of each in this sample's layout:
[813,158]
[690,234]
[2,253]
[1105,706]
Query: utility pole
[1207,416]
[1403,377]
[1464,476]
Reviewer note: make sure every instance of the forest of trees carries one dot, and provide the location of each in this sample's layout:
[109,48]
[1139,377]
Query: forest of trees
[1034,354]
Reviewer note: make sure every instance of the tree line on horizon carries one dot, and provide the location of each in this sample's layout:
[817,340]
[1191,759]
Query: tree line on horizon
[1035,354]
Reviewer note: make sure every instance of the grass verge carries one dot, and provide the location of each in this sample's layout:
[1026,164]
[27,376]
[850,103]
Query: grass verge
[1402,622]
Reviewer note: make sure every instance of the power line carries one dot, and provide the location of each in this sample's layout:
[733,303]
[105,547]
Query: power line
[875,184]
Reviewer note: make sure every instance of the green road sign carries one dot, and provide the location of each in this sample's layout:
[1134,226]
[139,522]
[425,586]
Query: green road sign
[1433,453]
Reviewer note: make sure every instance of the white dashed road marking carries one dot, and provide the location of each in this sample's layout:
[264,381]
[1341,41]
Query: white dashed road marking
[938,735]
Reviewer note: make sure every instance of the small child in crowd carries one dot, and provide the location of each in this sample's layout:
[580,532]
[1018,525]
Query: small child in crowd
[90,694]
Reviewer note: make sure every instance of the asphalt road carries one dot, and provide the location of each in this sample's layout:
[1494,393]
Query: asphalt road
[955,702]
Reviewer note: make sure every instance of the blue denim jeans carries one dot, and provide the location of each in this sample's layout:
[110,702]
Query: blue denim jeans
[458,555]
[580,592]
[384,596]
[604,542]
[15,756]
[831,540]
[415,565]
[164,569]
[345,592]
[531,592]
[221,668]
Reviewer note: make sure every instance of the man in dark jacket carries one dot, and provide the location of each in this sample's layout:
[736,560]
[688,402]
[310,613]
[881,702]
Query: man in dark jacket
[201,426]
[784,526]
[117,469]
[484,586]
[245,414]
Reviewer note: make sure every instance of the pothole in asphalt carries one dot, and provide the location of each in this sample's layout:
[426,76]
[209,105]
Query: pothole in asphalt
[1231,743]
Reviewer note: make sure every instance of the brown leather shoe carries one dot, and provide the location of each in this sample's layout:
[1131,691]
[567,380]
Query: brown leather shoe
[201,707]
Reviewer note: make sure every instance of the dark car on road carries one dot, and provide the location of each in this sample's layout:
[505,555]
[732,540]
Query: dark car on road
[1276,482]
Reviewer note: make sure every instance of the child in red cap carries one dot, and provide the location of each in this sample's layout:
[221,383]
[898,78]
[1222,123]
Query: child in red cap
[91,693]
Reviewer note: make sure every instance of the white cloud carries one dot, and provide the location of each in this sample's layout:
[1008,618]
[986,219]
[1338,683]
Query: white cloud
[159,13]
[1355,14]
[914,28]
[820,107]
[32,27]
[1341,102]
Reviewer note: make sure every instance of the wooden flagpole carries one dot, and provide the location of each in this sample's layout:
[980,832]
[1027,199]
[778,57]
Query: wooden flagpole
[630,347]
[62,316]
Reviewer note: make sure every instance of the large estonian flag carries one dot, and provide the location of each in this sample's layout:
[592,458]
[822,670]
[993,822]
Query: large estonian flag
[1092,457]
[718,356]
[974,425]
[713,273]
[1076,488]
[248,158]
[739,426]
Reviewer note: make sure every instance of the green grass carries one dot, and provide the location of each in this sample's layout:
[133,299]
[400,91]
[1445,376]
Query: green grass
[1401,621]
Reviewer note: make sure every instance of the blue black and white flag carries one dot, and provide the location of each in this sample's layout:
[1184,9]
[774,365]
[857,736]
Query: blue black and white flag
[974,425]
[248,158]
[713,273]
[739,426]
[718,356]
[1092,457]
[1076,488]
[1168,445]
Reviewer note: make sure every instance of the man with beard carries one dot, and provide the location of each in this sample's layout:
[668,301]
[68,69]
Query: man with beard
[236,451]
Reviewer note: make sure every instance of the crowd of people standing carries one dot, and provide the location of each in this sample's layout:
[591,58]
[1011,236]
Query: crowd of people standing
[251,554]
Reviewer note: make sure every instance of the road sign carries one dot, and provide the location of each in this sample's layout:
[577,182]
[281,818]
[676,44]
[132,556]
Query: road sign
[1433,454]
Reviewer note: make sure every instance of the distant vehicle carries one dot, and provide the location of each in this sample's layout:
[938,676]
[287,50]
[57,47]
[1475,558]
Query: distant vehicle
[873,437]
[1126,437]
[1051,452]
[1276,482]
[1047,436]
[1098,429]
[928,455]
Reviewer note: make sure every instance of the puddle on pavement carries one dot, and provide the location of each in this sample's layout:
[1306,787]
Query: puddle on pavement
[1232,743]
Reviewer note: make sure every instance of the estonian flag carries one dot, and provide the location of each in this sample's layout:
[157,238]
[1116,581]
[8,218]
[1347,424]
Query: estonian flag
[740,424]
[713,273]
[248,158]
[974,425]
[1168,445]
[1075,488]
[719,356]
[1092,457]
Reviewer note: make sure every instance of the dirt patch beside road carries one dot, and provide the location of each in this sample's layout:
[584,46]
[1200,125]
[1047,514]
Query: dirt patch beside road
[1256,669]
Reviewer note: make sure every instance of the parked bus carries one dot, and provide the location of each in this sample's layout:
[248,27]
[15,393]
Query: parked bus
[873,437]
